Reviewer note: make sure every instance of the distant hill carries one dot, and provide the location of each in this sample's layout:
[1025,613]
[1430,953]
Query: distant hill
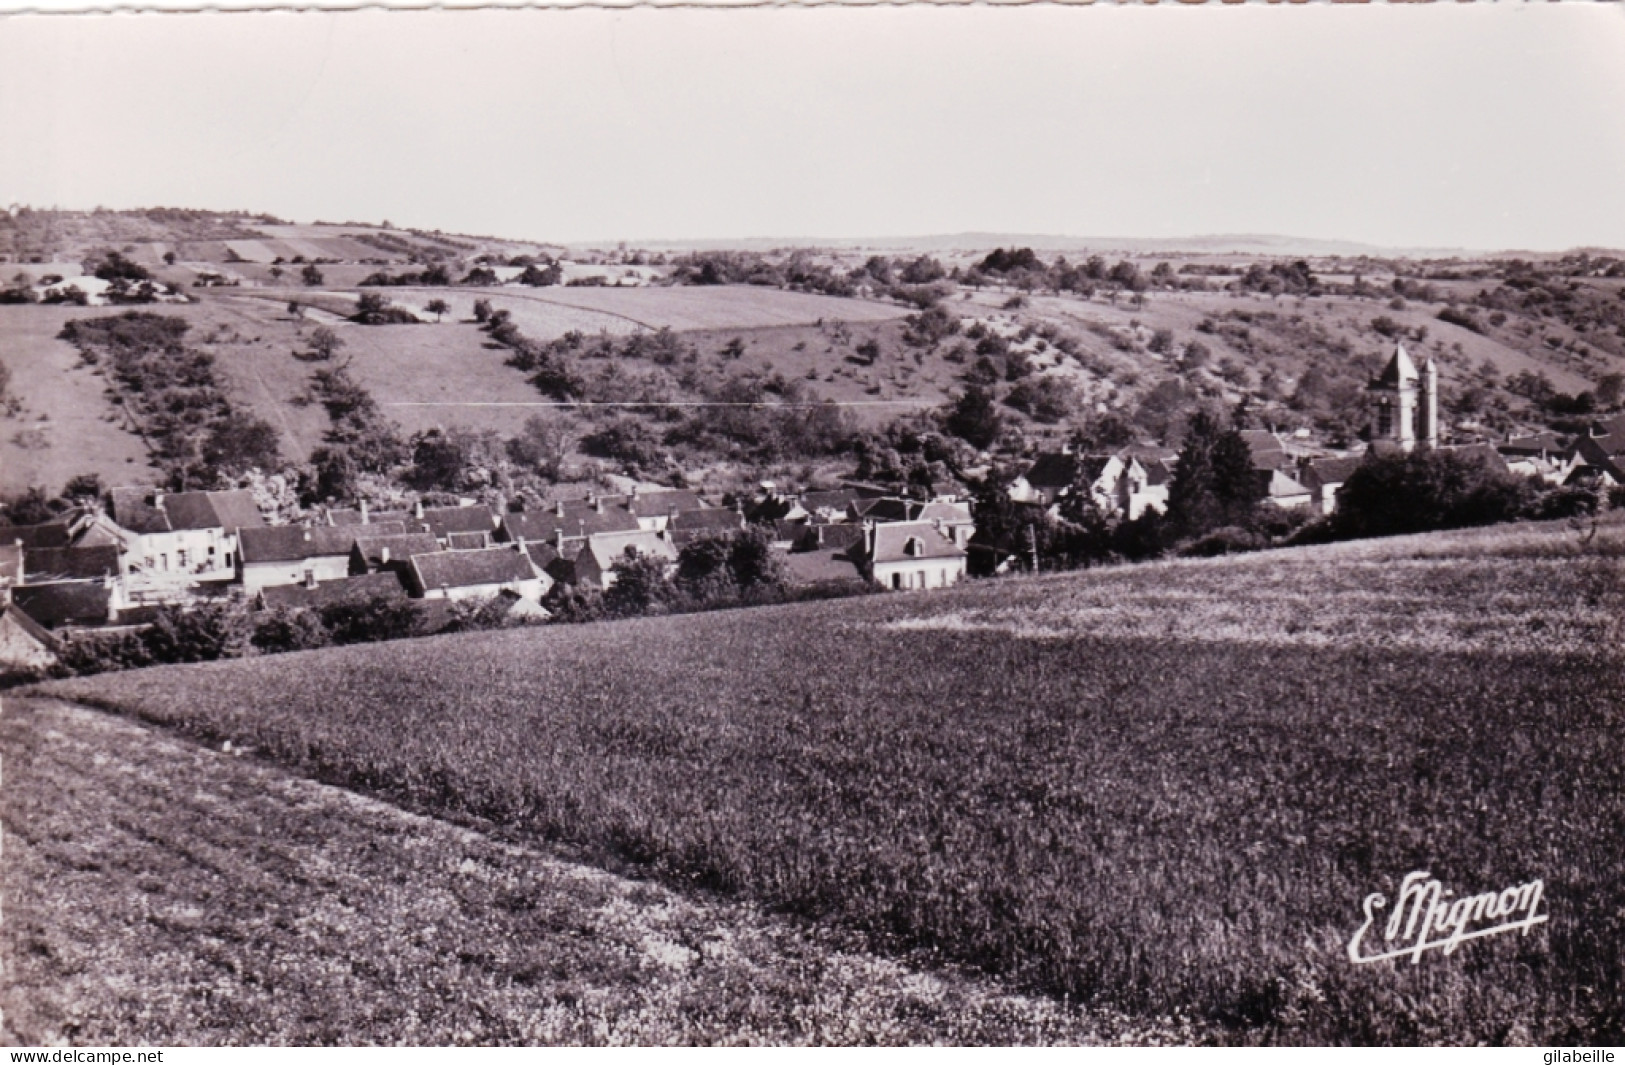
[1247,244]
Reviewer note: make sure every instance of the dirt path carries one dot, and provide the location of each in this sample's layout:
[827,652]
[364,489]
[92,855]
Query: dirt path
[160,892]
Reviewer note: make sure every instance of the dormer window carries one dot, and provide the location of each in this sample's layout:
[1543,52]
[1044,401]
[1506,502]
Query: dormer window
[914,548]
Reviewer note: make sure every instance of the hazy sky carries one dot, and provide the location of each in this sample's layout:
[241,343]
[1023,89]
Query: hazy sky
[1440,125]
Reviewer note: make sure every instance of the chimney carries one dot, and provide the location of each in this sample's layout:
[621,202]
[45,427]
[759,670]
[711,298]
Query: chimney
[383,557]
[558,540]
[558,508]
[158,499]
[598,504]
[520,542]
[366,519]
[307,534]
[417,510]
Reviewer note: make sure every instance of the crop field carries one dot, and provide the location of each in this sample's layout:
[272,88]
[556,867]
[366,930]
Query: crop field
[712,307]
[1158,789]
[66,425]
[249,906]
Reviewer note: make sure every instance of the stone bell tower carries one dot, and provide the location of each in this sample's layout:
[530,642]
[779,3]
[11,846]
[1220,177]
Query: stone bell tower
[1405,403]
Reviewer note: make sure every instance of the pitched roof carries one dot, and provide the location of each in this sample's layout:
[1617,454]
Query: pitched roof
[609,548]
[50,534]
[1281,485]
[936,510]
[1062,469]
[1484,453]
[577,518]
[1399,371]
[68,601]
[133,509]
[1148,453]
[1265,447]
[821,567]
[443,521]
[714,519]
[892,543]
[367,586]
[1157,472]
[1054,469]
[838,537]
[463,569]
[290,543]
[142,510]
[1324,471]
[236,510]
[401,547]
[69,563]
[660,503]
[835,499]
[35,631]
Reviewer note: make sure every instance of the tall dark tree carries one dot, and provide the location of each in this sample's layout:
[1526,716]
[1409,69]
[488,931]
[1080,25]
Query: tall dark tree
[975,418]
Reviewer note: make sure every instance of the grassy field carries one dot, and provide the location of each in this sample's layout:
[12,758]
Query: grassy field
[248,906]
[1160,788]
[66,426]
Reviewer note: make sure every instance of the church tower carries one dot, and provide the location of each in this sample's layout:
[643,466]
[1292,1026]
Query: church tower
[1427,411]
[1394,396]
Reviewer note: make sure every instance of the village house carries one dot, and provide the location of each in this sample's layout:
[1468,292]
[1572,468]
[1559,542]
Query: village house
[1603,447]
[183,535]
[594,562]
[475,574]
[1143,486]
[1054,475]
[907,555]
[1282,489]
[1323,477]
[654,510]
[298,554]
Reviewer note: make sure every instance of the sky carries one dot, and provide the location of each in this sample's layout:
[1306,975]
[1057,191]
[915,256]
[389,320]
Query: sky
[1443,125]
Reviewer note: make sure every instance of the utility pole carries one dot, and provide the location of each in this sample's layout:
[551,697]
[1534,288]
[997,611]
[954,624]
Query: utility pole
[1032,546]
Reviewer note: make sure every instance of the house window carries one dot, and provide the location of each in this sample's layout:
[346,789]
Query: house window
[180,559]
[897,581]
